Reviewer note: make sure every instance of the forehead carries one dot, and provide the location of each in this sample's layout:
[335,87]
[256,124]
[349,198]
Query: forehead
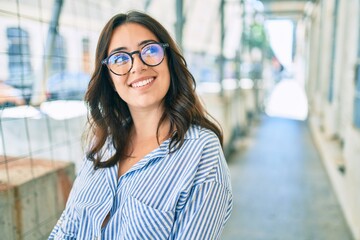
[129,36]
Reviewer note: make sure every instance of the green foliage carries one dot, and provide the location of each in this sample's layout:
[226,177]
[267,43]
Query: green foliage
[255,36]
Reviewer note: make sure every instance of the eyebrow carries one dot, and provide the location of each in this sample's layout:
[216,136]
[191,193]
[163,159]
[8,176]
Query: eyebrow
[140,44]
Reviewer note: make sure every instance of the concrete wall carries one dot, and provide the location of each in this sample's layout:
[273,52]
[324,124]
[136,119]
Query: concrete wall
[232,108]
[33,194]
[332,121]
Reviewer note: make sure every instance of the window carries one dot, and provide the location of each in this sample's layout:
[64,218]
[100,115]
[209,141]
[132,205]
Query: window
[333,52]
[357,93]
[58,63]
[357,86]
[19,64]
[86,55]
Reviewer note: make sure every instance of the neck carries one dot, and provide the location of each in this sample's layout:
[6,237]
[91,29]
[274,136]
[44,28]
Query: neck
[146,124]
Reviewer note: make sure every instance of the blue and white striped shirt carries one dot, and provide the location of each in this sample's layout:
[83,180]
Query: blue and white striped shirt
[182,195]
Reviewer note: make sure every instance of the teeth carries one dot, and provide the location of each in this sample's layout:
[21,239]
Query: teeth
[142,83]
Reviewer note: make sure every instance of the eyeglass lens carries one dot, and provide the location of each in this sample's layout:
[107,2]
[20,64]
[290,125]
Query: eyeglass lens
[121,62]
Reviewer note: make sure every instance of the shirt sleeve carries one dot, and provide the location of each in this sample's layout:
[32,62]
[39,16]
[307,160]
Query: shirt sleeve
[58,231]
[205,213]
[68,223]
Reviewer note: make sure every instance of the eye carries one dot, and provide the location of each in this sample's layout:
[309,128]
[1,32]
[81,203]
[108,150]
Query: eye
[119,59]
[151,50]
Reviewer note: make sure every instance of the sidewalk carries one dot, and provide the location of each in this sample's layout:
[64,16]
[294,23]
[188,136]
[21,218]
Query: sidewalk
[281,190]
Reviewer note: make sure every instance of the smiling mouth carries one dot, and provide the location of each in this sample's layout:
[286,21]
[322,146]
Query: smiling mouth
[142,83]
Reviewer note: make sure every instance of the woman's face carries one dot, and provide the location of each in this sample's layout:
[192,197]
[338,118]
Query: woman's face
[144,87]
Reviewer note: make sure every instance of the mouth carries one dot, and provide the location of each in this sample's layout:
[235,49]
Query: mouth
[142,83]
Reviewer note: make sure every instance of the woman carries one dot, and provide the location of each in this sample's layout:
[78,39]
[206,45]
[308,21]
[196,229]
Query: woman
[155,167]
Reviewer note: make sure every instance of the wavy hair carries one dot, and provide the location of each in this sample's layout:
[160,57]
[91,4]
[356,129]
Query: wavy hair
[109,116]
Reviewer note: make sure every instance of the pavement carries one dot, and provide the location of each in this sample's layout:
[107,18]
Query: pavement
[280,187]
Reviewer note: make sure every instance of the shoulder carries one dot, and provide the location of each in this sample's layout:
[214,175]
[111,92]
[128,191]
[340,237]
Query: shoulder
[202,136]
[207,158]
[203,141]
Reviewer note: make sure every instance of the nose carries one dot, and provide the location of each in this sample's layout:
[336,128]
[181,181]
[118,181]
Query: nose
[138,64]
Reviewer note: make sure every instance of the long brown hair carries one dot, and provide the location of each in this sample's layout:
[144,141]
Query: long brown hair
[110,120]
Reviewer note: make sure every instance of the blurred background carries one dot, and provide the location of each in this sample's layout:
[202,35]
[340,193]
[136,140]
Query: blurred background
[281,77]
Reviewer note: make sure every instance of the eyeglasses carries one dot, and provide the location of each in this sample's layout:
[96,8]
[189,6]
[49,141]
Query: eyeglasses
[121,62]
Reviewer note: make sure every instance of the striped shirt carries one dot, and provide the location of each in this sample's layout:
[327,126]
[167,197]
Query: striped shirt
[184,194]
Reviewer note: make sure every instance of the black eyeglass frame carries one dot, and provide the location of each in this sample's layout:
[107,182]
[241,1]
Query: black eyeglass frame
[106,60]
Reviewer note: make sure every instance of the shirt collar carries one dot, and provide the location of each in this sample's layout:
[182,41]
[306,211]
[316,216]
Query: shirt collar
[112,173]
[193,132]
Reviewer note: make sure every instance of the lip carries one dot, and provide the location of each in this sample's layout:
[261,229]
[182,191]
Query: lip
[142,79]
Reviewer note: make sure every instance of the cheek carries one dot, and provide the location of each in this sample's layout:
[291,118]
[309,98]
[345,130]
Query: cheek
[118,81]
[166,74]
